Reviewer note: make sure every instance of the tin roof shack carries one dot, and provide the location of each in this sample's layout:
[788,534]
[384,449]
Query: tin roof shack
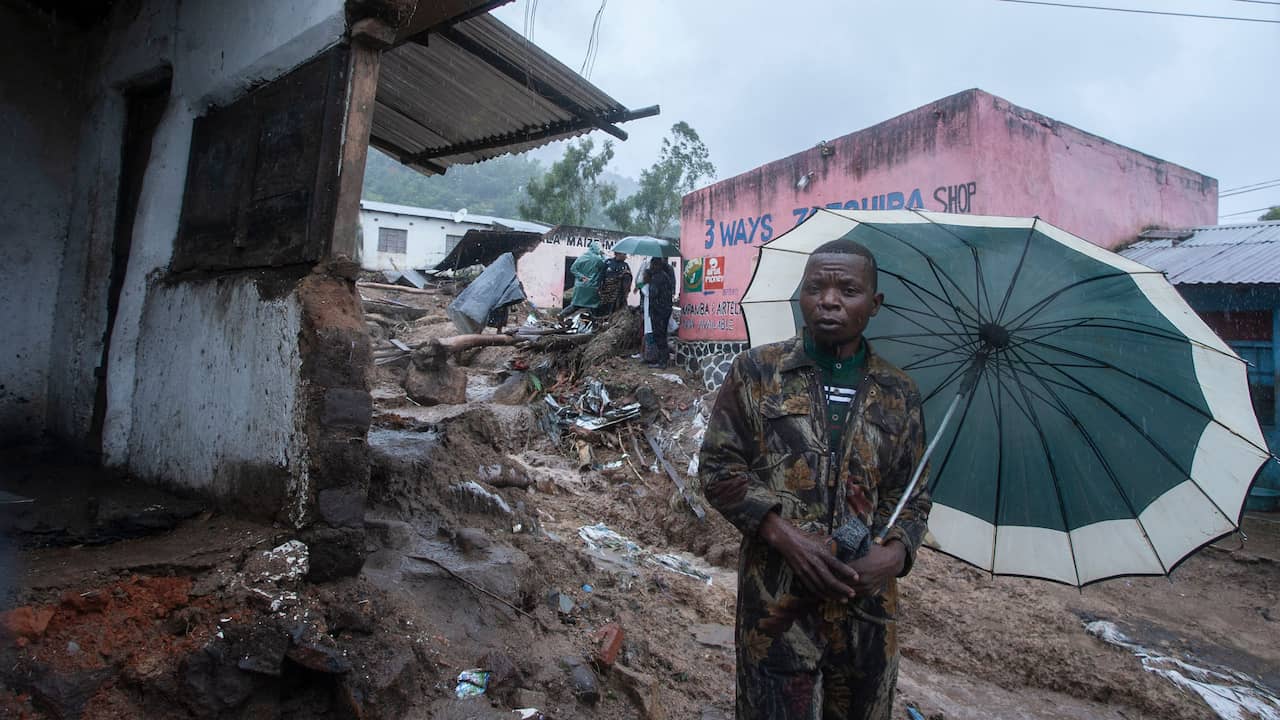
[971,152]
[1230,275]
[544,270]
[397,237]
[181,204]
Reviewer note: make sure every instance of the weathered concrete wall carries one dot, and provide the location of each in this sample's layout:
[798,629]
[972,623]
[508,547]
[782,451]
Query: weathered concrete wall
[968,153]
[216,51]
[425,239]
[219,370]
[40,112]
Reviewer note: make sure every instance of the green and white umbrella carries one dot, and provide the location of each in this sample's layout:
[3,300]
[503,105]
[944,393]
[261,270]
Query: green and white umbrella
[647,246]
[1086,424]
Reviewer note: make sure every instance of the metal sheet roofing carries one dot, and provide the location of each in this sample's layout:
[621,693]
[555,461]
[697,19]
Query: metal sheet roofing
[458,216]
[1225,254]
[478,89]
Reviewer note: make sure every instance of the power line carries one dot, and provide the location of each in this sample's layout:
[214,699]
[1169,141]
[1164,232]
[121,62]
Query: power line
[1250,186]
[1247,212]
[1141,12]
[1242,192]
[593,43]
[1260,2]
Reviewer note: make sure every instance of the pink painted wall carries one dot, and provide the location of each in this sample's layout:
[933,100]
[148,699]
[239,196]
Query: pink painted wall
[541,270]
[970,153]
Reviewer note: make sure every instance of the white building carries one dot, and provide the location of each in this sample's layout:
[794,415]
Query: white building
[401,237]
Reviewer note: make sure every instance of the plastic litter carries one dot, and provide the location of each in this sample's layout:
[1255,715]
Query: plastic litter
[496,288]
[471,683]
[600,536]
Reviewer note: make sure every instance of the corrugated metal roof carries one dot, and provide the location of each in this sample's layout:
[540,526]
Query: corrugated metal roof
[1227,254]
[477,90]
[455,216]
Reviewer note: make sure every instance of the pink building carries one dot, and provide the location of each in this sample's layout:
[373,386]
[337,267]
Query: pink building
[971,152]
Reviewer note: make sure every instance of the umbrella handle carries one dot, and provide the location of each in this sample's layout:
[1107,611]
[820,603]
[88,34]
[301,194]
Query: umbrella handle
[965,388]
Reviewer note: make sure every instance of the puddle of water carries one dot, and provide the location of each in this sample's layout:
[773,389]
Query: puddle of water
[1232,695]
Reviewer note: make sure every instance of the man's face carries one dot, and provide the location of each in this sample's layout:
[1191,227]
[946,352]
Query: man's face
[838,297]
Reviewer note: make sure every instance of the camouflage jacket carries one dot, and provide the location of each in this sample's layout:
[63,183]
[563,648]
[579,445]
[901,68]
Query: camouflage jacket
[766,448]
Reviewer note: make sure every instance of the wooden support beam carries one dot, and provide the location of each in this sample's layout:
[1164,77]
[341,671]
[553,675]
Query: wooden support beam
[362,90]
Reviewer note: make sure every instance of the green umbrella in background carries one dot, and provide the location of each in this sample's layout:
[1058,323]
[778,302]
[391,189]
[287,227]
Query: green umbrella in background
[647,246]
[1085,423]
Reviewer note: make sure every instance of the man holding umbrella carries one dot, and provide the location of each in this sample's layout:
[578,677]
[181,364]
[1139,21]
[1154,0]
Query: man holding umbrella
[811,444]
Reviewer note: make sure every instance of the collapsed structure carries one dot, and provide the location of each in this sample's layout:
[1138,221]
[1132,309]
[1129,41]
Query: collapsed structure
[183,202]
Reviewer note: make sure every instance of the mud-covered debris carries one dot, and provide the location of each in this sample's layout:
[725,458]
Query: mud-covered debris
[318,652]
[582,679]
[470,496]
[713,635]
[502,669]
[643,690]
[25,623]
[606,643]
[284,564]
[471,540]
[561,603]
[529,699]
[471,683]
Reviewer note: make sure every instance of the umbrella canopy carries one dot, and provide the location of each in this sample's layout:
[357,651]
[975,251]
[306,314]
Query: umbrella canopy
[647,246]
[1103,429]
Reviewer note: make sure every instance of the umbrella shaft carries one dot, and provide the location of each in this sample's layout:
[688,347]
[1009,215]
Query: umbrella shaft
[924,460]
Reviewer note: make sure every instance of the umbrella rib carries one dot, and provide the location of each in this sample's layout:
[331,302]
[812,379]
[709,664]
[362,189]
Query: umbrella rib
[980,284]
[946,300]
[1008,293]
[917,323]
[950,378]
[935,480]
[1097,452]
[1147,329]
[1036,307]
[932,314]
[917,366]
[922,346]
[1082,387]
[1053,473]
[932,265]
[1168,393]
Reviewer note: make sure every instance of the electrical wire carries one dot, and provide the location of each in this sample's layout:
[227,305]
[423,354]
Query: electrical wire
[1242,192]
[1247,212]
[1141,12]
[593,43]
[1248,188]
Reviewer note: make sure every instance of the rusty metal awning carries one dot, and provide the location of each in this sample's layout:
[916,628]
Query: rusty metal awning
[478,89]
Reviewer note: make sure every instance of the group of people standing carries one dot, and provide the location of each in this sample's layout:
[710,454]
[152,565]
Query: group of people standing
[601,285]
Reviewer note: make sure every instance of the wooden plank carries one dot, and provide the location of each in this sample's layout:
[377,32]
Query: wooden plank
[362,89]
[675,477]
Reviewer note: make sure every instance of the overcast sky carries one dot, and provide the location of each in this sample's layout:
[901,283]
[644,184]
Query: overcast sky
[761,79]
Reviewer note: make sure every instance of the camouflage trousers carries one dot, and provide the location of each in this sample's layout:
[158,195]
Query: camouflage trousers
[852,679]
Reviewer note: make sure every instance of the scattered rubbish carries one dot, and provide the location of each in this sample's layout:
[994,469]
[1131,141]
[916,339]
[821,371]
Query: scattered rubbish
[285,563]
[8,498]
[913,713]
[583,679]
[591,410]
[562,603]
[613,465]
[670,377]
[607,642]
[1232,695]
[599,536]
[471,683]
[529,714]
[678,564]
[675,477]
[587,588]
[496,289]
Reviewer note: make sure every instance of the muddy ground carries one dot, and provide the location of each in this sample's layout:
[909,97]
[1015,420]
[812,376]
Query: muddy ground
[149,605]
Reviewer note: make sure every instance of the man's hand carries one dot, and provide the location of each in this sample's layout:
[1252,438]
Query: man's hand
[810,558]
[878,566]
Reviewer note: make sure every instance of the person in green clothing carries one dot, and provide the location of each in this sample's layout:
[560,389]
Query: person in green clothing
[809,435]
[586,272]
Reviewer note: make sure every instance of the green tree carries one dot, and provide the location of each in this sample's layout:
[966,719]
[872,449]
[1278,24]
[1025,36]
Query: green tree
[1272,214]
[571,189]
[654,209]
